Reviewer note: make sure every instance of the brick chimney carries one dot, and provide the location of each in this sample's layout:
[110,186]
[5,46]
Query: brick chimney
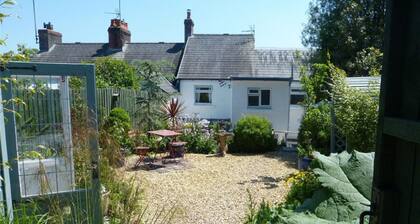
[48,37]
[188,26]
[118,34]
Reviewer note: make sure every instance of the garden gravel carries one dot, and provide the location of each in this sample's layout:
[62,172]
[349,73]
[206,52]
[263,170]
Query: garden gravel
[211,189]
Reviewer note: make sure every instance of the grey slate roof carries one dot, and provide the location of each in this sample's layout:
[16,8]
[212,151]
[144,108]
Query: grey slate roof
[212,56]
[79,52]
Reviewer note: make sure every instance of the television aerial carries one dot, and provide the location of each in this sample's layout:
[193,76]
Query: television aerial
[117,12]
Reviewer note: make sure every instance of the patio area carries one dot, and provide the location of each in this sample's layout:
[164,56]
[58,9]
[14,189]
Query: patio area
[211,189]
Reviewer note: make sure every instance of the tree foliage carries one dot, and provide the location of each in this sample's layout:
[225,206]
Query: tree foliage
[115,73]
[23,54]
[152,97]
[344,29]
[356,114]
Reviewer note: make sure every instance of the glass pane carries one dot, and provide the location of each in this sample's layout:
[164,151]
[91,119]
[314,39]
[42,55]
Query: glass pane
[255,91]
[45,137]
[204,98]
[265,97]
[295,99]
[253,101]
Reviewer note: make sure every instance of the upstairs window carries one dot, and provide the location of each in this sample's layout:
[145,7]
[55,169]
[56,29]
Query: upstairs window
[203,94]
[259,97]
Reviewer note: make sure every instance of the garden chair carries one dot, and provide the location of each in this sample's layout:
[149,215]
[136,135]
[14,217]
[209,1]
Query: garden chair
[142,153]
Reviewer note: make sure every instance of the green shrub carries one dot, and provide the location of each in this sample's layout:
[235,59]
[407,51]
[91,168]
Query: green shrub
[315,129]
[197,142]
[302,186]
[253,134]
[118,124]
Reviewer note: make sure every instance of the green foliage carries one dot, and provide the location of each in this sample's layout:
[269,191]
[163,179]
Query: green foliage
[171,111]
[302,185]
[317,85]
[115,73]
[197,142]
[23,54]
[344,28]
[26,213]
[151,95]
[118,124]
[253,134]
[368,62]
[356,114]
[315,129]
[344,191]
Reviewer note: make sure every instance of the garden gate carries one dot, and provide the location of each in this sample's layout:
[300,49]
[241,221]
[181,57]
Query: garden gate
[49,143]
[396,182]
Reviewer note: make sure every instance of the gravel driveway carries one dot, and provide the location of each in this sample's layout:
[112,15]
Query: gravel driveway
[210,189]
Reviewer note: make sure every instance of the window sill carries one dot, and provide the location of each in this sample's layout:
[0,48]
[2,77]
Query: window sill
[203,104]
[260,107]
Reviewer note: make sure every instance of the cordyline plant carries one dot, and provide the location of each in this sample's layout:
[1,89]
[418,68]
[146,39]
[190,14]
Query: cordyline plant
[171,111]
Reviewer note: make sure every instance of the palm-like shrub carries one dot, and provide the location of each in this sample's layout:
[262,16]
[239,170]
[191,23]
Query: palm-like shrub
[253,134]
[171,111]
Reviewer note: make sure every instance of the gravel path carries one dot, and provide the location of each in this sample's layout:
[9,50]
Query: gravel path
[210,189]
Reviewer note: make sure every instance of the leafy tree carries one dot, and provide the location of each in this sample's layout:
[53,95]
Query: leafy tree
[317,85]
[367,62]
[23,54]
[112,72]
[356,114]
[344,28]
[152,97]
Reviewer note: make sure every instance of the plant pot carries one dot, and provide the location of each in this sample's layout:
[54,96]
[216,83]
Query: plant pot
[303,163]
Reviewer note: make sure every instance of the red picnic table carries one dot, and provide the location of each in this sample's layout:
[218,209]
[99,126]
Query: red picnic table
[174,148]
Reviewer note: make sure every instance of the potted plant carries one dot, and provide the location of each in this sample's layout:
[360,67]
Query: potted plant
[305,157]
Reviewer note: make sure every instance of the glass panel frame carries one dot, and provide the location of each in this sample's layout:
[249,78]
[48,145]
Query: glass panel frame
[86,71]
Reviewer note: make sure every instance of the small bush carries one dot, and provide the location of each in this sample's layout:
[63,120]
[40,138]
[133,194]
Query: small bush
[118,124]
[314,131]
[253,134]
[198,143]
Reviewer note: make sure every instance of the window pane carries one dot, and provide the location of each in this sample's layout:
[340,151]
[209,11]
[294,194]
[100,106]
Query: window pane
[255,91]
[295,99]
[253,101]
[204,98]
[265,97]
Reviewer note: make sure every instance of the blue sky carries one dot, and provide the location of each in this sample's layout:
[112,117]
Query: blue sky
[278,23]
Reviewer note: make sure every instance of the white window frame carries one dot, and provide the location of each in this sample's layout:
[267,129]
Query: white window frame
[197,90]
[259,98]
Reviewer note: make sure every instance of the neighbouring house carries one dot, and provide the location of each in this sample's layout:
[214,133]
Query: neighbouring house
[225,77]
[218,76]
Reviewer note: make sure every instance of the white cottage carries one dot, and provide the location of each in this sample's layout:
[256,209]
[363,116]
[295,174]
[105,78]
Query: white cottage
[223,77]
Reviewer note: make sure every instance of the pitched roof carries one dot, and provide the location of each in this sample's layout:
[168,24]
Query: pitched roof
[78,52]
[224,56]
